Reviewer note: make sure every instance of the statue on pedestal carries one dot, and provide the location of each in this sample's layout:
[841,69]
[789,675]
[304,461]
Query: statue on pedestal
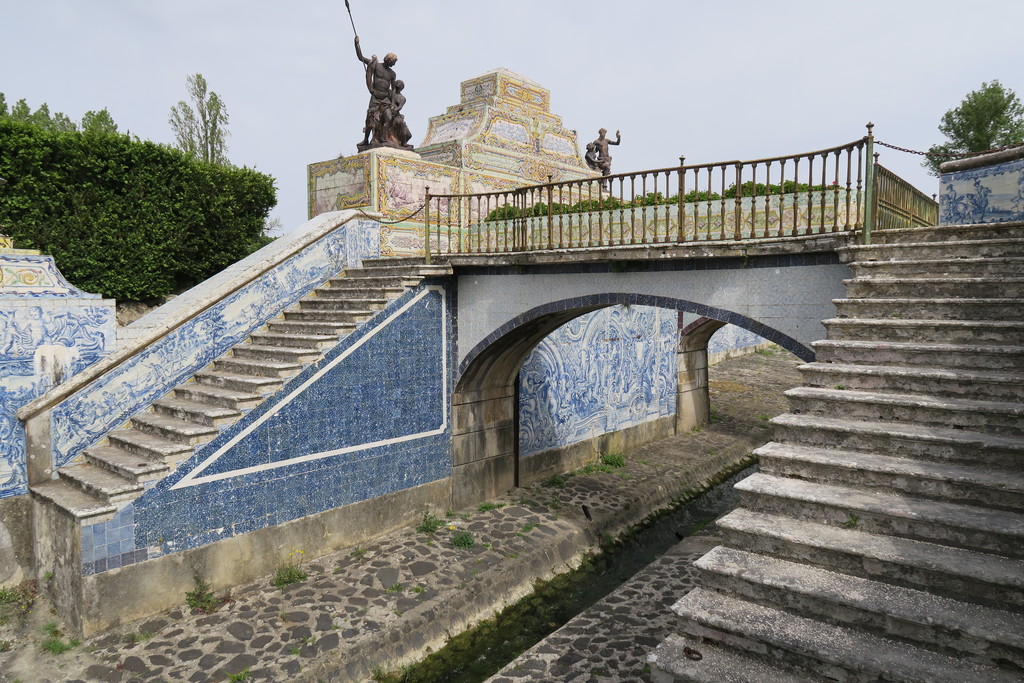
[384,119]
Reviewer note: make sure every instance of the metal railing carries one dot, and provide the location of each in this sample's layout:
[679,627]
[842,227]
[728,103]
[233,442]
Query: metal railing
[900,204]
[825,191]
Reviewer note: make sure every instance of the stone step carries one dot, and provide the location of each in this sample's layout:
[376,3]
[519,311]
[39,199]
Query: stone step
[989,248]
[927,309]
[315,327]
[364,306]
[960,574]
[1002,386]
[949,233]
[283,354]
[387,261]
[149,446]
[351,319]
[373,283]
[255,384]
[906,441]
[980,357]
[943,287]
[357,290]
[937,480]
[945,625]
[222,396]
[100,482]
[993,332]
[74,502]
[131,466]
[671,661]
[192,411]
[1000,532]
[931,268]
[832,652]
[263,368]
[173,429]
[318,342]
[400,270]
[993,417]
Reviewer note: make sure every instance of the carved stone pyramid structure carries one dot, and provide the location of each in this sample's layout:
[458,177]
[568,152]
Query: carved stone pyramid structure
[883,538]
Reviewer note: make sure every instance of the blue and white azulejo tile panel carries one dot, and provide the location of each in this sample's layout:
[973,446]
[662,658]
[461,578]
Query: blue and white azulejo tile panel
[992,194]
[604,371]
[368,419]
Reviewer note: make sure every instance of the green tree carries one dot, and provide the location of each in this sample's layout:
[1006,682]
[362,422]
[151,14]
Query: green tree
[989,117]
[93,122]
[98,123]
[201,127]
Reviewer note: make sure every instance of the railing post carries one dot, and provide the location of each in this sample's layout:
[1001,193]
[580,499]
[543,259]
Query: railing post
[871,192]
[681,225]
[551,226]
[738,209]
[426,226]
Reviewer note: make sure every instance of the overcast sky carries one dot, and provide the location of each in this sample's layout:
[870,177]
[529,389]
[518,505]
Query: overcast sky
[711,80]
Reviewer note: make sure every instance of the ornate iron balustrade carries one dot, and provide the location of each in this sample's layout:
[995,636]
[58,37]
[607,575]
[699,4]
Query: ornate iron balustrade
[831,190]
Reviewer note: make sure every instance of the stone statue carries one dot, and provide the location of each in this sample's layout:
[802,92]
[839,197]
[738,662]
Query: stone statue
[384,120]
[597,156]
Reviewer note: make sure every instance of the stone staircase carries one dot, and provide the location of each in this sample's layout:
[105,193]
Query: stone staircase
[153,442]
[883,538]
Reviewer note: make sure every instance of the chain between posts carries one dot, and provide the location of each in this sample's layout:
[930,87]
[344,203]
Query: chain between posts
[947,155]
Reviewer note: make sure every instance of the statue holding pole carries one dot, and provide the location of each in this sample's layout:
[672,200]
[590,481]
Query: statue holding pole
[385,125]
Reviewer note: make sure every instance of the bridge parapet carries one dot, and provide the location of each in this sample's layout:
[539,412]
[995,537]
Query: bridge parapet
[840,189]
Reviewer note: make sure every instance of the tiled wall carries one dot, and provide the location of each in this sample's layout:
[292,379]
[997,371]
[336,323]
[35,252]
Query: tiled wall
[40,312]
[991,194]
[601,372]
[368,419]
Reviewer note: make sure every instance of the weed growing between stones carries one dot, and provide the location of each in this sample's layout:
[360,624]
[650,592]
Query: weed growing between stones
[556,481]
[290,572]
[54,644]
[487,506]
[242,675]
[430,524]
[614,459]
[463,540]
[202,599]
[15,602]
[395,588]
[851,522]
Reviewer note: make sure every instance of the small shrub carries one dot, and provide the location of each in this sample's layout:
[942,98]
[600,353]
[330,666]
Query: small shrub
[202,599]
[463,540]
[53,643]
[556,480]
[614,459]
[430,524]
[290,572]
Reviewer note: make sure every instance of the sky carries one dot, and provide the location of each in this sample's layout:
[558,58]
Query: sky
[713,81]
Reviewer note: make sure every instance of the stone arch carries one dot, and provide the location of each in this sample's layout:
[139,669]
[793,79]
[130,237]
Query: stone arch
[484,400]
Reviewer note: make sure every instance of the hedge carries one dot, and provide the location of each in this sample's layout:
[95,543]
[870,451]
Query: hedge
[129,219]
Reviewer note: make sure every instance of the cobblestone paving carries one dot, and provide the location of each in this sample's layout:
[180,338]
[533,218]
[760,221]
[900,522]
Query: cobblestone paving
[384,603]
[609,642]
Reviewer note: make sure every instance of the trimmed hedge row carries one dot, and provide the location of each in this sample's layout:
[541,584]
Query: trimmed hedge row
[126,218]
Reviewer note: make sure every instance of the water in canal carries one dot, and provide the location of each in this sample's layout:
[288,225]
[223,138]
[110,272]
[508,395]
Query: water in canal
[481,652]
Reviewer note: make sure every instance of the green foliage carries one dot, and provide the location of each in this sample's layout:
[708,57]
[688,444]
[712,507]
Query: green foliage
[487,505]
[128,219]
[463,540]
[290,572]
[200,128]
[614,459]
[16,601]
[430,524]
[54,644]
[990,117]
[394,588]
[242,675]
[202,599]
[556,481]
